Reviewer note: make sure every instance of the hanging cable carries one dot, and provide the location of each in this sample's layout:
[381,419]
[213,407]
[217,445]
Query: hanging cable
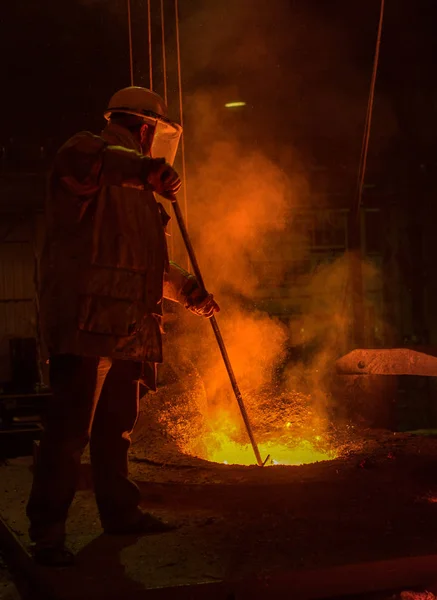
[355,271]
[164,58]
[368,123]
[164,77]
[181,112]
[131,60]
[149,24]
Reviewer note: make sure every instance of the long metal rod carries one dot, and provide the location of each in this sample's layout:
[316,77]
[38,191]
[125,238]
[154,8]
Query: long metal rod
[217,332]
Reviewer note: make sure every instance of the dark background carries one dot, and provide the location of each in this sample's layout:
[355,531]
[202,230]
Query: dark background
[60,62]
[303,67]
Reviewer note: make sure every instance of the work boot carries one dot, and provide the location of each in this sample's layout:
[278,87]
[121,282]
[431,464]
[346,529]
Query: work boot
[145,524]
[52,556]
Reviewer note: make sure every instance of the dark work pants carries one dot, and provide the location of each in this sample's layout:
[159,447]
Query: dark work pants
[94,400]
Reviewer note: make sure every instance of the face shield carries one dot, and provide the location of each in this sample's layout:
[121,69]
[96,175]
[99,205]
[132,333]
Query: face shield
[165,140]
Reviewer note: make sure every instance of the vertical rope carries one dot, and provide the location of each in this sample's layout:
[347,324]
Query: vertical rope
[164,77]
[181,112]
[131,60]
[164,57]
[356,267]
[369,115]
[149,24]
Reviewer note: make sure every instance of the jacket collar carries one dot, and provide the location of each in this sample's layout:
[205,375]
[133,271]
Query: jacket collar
[120,136]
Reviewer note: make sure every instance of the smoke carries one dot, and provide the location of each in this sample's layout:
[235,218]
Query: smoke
[324,328]
[247,182]
[295,64]
[239,207]
[242,205]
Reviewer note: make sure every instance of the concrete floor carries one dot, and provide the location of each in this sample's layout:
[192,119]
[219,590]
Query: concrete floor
[257,526]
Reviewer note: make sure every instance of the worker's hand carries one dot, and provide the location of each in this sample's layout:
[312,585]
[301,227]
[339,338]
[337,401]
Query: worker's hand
[203,304]
[162,178]
[197,300]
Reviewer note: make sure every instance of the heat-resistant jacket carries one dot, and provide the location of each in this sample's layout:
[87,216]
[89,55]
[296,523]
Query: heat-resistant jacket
[104,267]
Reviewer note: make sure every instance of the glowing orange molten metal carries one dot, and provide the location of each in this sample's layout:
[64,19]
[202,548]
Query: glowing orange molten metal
[225,443]
[224,450]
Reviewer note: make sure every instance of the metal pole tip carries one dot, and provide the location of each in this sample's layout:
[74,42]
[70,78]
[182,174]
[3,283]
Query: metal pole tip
[264,463]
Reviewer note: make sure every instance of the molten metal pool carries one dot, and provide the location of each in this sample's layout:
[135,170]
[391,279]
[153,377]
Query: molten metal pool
[220,448]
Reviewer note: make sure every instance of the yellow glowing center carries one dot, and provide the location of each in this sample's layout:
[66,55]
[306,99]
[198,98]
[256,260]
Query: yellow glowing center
[221,449]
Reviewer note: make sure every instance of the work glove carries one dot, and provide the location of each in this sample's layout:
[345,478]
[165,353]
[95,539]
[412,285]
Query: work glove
[162,178]
[199,301]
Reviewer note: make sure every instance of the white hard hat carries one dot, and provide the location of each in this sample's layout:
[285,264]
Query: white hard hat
[148,105]
[137,101]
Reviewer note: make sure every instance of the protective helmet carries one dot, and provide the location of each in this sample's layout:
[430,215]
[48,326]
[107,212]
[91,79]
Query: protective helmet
[148,105]
[137,101]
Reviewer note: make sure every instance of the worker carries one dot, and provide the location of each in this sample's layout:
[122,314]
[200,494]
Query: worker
[104,271]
